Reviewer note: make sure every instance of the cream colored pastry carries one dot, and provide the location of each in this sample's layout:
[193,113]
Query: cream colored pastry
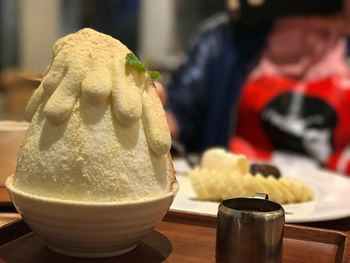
[98,130]
[221,159]
[218,180]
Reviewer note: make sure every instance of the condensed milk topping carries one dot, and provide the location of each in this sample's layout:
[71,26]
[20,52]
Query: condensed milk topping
[98,130]
[93,65]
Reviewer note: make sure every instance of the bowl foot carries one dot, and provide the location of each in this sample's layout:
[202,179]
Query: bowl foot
[90,254]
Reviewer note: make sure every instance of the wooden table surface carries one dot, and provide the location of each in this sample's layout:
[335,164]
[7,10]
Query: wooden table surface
[186,238]
[191,238]
[4,196]
[301,243]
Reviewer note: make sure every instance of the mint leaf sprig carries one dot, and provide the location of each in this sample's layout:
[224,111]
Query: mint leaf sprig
[134,62]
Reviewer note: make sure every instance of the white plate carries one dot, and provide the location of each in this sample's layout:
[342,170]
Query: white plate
[331,196]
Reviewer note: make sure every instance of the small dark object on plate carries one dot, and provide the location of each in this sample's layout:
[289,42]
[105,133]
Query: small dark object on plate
[265,170]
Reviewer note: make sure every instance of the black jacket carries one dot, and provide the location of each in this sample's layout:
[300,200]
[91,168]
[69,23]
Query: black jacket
[203,93]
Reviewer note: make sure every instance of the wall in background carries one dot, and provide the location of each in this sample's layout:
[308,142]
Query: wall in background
[40,26]
[159,31]
[8,33]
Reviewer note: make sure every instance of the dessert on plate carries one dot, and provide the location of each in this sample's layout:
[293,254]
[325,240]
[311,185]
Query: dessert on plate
[223,175]
[97,146]
[98,131]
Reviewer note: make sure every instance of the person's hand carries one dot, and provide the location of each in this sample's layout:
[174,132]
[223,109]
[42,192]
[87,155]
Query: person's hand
[339,23]
[93,66]
[161,92]
[172,122]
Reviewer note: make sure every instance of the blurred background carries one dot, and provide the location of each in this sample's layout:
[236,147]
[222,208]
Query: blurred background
[212,54]
[159,31]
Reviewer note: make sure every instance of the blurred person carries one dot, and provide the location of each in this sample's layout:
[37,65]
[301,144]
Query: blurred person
[289,78]
[296,99]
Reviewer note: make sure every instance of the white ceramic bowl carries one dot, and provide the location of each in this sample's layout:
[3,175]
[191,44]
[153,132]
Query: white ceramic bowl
[87,229]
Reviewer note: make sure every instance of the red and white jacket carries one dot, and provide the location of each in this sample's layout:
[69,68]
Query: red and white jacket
[308,115]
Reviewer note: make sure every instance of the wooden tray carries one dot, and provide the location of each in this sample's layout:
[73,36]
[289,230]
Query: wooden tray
[5,198]
[180,237]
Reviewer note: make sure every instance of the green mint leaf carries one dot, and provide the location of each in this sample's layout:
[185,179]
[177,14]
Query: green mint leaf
[134,62]
[154,74]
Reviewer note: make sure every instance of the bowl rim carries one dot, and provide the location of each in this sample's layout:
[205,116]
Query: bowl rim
[10,187]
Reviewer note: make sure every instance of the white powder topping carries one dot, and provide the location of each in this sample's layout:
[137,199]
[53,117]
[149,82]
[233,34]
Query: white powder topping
[98,130]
